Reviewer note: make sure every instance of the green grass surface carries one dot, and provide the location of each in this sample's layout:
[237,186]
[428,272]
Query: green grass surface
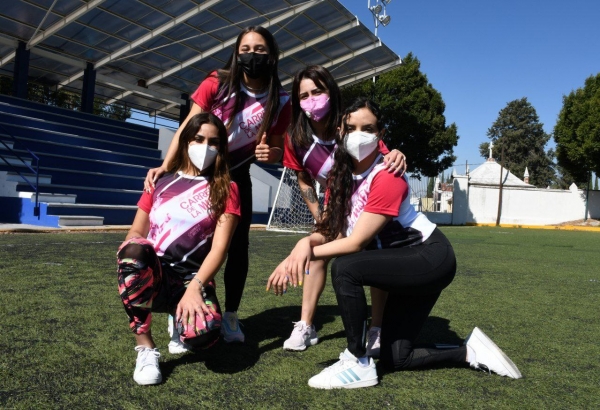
[65,343]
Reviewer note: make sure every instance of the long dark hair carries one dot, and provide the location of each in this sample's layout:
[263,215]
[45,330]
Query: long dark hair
[230,78]
[300,129]
[220,181]
[339,181]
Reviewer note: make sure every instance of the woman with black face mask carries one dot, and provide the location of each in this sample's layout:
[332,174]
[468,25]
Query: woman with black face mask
[248,97]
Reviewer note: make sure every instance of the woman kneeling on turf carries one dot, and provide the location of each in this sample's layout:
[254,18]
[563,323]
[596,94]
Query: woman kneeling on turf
[177,243]
[380,241]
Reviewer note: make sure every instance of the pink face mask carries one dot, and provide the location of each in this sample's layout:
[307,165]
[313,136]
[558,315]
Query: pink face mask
[316,108]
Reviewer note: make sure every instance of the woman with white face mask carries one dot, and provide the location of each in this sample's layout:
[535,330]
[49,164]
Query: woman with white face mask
[309,150]
[379,240]
[177,243]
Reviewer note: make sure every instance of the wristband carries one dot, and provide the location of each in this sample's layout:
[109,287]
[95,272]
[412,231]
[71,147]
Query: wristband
[199,281]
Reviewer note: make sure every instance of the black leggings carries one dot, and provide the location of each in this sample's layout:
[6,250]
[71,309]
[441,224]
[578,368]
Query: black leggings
[414,277]
[236,269]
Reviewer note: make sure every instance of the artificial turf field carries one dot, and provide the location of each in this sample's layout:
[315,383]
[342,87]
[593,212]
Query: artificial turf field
[65,343]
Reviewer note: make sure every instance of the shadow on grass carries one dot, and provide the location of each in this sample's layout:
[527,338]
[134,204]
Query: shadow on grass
[274,325]
[270,324]
[435,331]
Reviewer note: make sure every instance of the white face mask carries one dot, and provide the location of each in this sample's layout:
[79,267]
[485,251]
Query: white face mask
[202,155]
[360,144]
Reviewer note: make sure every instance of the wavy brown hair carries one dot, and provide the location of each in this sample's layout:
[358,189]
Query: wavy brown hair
[300,129]
[339,181]
[230,78]
[218,172]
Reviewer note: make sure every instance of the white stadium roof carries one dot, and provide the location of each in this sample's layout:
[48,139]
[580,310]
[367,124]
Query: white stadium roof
[172,44]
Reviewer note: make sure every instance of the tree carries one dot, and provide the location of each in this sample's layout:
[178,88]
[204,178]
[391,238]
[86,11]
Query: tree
[577,131]
[414,116]
[519,132]
[49,95]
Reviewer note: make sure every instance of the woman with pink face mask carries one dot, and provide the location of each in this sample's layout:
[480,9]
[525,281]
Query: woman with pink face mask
[309,148]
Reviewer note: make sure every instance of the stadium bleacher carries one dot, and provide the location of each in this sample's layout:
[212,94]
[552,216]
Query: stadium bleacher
[91,168]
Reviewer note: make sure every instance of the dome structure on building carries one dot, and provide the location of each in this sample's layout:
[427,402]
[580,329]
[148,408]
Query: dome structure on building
[488,173]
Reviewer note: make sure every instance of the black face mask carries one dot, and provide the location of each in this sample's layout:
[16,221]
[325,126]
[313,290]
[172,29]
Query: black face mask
[254,65]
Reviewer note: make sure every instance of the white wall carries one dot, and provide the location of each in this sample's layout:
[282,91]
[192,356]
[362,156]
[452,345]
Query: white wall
[264,188]
[165,135]
[525,206]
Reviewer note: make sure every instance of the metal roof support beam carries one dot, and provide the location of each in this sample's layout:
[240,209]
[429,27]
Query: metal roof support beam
[139,90]
[59,57]
[149,36]
[317,40]
[42,53]
[21,71]
[8,41]
[87,92]
[56,27]
[225,44]
[368,73]
[11,43]
[343,58]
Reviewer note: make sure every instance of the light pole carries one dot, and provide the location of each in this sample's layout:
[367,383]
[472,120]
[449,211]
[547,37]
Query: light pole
[379,12]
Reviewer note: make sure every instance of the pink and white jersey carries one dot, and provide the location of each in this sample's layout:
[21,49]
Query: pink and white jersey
[181,228]
[316,160]
[380,192]
[243,125]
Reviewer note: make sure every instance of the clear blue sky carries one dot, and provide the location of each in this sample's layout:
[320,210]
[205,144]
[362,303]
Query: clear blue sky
[482,54]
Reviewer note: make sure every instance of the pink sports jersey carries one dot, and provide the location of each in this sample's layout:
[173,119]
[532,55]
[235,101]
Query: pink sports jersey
[243,125]
[317,159]
[380,192]
[181,228]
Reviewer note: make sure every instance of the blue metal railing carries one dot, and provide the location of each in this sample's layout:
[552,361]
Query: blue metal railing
[36,171]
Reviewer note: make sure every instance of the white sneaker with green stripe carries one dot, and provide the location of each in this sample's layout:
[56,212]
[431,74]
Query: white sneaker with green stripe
[347,373]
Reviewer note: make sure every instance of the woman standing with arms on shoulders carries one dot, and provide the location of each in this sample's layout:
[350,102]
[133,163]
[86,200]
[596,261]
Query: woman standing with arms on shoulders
[248,97]
[177,243]
[379,240]
[309,150]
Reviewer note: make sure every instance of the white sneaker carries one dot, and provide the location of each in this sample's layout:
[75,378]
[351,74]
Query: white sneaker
[347,373]
[176,346]
[230,328]
[146,366]
[302,337]
[374,342]
[488,356]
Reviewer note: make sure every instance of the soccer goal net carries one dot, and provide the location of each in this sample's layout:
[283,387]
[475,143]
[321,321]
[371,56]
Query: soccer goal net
[289,212]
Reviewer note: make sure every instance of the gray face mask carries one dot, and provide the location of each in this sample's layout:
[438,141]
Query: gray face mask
[255,65]
[360,144]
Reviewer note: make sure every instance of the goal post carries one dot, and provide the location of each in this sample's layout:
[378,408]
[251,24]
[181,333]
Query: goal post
[289,212]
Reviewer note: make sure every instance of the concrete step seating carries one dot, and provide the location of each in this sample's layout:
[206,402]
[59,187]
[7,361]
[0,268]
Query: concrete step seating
[91,168]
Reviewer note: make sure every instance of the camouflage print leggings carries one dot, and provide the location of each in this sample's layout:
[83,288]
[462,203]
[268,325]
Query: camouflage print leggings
[143,286]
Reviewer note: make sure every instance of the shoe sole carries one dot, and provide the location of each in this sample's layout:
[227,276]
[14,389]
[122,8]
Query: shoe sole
[310,342]
[178,350]
[355,385]
[500,355]
[148,382]
[234,340]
